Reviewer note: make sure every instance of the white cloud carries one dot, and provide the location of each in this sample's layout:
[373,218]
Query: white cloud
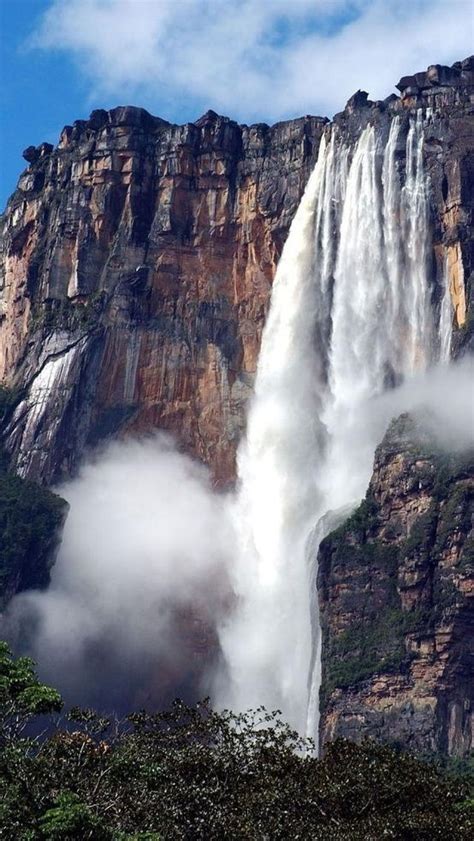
[253,59]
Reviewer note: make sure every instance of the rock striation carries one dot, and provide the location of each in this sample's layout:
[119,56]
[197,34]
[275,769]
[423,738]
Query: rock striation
[137,259]
[396,594]
[137,262]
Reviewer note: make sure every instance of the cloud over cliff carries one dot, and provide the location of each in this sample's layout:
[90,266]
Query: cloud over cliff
[253,59]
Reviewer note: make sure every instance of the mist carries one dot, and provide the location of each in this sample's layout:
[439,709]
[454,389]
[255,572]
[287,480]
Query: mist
[142,586]
[128,619]
[443,399]
[258,636]
[443,402]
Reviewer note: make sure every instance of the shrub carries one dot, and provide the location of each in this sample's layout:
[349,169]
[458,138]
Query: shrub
[193,773]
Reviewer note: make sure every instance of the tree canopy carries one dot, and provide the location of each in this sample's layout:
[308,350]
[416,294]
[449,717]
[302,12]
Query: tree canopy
[194,773]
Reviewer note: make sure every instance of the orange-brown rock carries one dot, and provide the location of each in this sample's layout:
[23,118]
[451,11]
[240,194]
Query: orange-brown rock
[138,259]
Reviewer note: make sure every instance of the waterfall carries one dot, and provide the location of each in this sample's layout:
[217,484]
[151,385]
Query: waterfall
[267,651]
[446,319]
[351,315]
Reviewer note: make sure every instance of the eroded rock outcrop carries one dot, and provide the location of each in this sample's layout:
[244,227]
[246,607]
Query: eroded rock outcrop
[396,592]
[138,257]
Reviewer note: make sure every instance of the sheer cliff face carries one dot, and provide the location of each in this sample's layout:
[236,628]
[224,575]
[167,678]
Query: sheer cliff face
[138,256]
[396,590]
[138,259]
[136,262]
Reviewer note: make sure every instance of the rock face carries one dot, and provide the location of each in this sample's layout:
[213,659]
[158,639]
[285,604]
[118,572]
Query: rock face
[138,257]
[447,95]
[136,263]
[435,77]
[396,591]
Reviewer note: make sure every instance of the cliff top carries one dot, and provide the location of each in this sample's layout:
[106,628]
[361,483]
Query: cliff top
[460,74]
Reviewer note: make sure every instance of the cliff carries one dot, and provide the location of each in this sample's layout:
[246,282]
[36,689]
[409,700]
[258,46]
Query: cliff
[396,594]
[138,256]
[136,263]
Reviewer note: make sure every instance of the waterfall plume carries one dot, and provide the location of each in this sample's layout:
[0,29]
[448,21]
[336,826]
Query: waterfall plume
[352,314]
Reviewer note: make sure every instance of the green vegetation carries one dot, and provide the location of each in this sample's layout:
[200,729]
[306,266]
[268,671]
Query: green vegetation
[8,400]
[376,644]
[360,522]
[458,507]
[367,649]
[69,818]
[422,534]
[372,558]
[22,695]
[192,773]
[466,563]
[30,520]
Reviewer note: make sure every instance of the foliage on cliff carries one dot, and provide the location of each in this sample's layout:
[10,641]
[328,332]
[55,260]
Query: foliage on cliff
[30,520]
[192,773]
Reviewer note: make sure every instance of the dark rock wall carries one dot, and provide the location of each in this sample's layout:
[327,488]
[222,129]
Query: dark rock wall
[396,582]
[396,591]
[31,520]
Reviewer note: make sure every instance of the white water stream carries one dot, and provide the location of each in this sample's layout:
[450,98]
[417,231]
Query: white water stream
[351,315]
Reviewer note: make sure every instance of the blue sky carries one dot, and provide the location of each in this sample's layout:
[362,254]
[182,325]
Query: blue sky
[41,90]
[254,60]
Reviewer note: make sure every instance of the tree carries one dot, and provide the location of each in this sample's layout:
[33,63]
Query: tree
[194,773]
[22,695]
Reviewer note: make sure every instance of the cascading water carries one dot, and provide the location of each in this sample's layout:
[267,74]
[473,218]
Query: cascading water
[351,314]
[446,319]
[267,652]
